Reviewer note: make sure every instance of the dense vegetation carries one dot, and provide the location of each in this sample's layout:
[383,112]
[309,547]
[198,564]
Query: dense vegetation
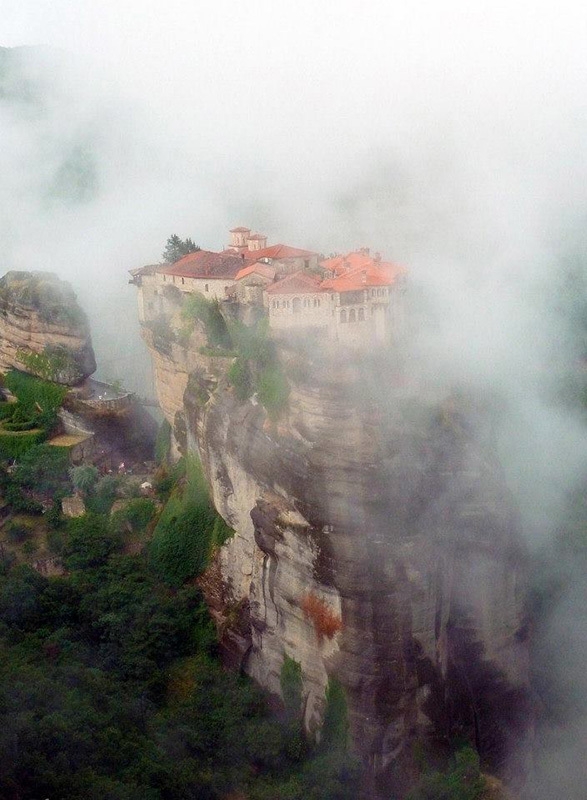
[256,368]
[110,684]
[27,422]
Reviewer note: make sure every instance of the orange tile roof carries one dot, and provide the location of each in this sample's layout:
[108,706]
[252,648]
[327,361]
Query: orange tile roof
[359,270]
[282,251]
[240,230]
[298,283]
[259,269]
[205,264]
[341,264]
[360,279]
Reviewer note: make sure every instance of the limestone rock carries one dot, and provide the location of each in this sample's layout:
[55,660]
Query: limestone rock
[392,514]
[43,330]
[73,506]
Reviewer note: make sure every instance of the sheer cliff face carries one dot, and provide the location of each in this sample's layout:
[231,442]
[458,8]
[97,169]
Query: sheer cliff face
[375,543]
[43,330]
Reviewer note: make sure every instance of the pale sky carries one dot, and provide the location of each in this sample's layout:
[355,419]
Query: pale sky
[450,136]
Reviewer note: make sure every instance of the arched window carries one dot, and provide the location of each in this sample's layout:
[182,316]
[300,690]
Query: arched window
[306,302]
[316,303]
[297,305]
[343,315]
[372,292]
[283,303]
[352,315]
[361,315]
[378,292]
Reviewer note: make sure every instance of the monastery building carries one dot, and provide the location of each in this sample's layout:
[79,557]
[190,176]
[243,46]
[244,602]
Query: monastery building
[355,299]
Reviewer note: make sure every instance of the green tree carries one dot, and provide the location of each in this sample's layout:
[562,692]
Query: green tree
[176,248]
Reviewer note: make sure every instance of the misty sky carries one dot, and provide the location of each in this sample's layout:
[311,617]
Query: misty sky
[328,123]
[451,136]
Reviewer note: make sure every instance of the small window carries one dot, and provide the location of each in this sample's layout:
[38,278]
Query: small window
[206,288]
[182,281]
[307,263]
[343,315]
[283,304]
[372,292]
[165,277]
[297,305]
[378,292]
[361,315]
[316,303]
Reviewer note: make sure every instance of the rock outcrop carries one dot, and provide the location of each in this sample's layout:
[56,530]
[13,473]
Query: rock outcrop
[376,543]
[43,330]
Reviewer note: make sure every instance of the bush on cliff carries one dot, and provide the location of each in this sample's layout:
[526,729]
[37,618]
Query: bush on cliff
[461,781]
[188,529]
[198,307]
[240,377]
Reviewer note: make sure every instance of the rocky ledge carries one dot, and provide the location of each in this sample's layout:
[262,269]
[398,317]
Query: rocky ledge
[43,330]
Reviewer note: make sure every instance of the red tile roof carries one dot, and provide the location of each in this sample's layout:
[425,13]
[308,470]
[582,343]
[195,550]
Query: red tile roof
[282,251]
[258,269]
[298,283]
[205,264]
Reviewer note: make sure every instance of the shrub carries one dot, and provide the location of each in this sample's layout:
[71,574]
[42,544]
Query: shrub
[16,443]
[462,781]
[33,393]
[43,467]
[7,410]
[88,542]
[29,548]
[137,514]
[182,542]
[290,679]
[335,727]
[208,312]
[84,478]
[16,533]
[240,377]
[273,390]
[188,529]
[326,622]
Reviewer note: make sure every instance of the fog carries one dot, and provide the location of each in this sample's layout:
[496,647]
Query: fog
[449,136]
